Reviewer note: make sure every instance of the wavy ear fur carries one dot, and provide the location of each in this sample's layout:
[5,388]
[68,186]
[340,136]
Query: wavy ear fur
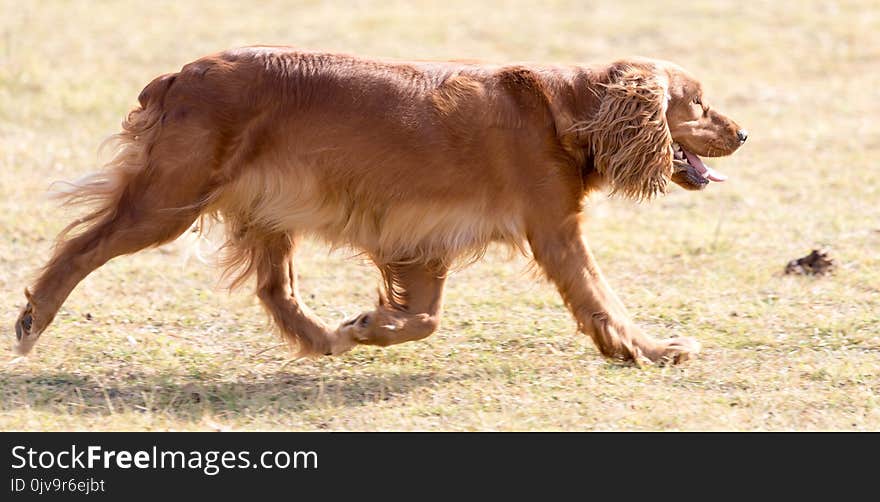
[628,135]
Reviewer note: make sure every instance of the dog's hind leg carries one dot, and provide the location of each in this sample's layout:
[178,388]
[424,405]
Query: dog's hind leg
[141,200]
[139,222]
[409,307]
[277,290]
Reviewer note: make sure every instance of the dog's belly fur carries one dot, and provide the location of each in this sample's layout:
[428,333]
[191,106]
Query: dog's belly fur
[295,199]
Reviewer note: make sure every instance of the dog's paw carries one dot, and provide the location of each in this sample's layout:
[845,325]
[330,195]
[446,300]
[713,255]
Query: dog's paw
[358,327]
[25,335]
[674,351]
[351,332]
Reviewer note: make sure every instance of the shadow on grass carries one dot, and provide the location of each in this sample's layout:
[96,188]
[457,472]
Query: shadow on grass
[180,398]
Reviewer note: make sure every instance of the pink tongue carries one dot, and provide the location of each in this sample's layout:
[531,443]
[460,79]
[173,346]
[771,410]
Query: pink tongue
[704,170]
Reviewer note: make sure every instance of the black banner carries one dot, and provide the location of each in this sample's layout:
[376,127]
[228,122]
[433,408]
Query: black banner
[134,466]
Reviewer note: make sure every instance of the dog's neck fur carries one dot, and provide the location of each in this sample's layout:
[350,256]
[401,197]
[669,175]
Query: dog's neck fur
[575,94]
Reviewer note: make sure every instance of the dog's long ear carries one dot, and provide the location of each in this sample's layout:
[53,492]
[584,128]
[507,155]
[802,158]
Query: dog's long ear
[628,135]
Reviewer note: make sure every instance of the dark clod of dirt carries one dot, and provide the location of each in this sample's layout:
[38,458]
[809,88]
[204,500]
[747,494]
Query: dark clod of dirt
[815,263]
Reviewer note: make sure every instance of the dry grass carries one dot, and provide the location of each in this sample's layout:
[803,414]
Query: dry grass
[150,342]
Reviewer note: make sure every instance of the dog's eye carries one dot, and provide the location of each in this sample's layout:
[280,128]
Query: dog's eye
[698,101]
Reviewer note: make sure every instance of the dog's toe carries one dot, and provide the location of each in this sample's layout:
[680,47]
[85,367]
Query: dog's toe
[677,350]
[24,331]
[349,333]
[19,330]
[24,324]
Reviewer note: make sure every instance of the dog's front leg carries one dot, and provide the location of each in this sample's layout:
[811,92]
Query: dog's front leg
[563,254]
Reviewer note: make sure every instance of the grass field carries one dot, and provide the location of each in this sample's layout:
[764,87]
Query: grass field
[153,341]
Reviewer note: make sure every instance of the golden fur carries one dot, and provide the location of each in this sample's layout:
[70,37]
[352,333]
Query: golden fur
[419,165]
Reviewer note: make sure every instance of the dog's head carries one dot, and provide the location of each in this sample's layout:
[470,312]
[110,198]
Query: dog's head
[652,125]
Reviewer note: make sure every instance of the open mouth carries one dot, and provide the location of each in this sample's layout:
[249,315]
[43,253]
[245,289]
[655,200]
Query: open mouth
[690,172]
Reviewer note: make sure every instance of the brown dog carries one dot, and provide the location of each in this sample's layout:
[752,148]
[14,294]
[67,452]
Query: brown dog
[417,164]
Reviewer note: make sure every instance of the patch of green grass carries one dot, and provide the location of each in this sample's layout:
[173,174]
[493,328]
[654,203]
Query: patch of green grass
[149,342]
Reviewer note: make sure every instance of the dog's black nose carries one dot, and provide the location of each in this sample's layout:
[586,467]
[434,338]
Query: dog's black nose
[743,135]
